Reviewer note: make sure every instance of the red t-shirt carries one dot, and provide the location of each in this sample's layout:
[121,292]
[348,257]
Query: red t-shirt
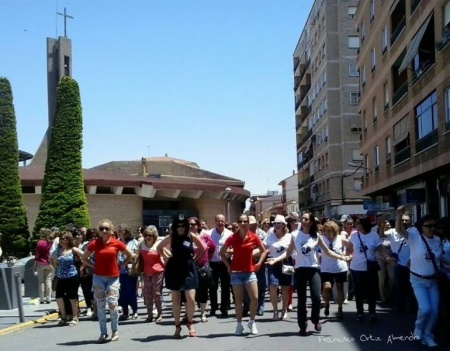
[243,251]
[106,256]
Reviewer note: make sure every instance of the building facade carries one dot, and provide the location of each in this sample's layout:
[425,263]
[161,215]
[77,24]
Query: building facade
[328,127]
[405,104]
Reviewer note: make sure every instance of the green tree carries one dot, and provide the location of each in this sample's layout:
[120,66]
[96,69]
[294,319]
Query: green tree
[63,198]
[13,219]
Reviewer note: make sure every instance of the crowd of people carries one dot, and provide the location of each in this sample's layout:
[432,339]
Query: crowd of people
[405,266]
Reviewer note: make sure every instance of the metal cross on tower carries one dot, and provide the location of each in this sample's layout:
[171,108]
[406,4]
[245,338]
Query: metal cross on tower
[65,15]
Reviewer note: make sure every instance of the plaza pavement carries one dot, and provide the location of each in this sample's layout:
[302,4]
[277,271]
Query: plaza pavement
[392,332]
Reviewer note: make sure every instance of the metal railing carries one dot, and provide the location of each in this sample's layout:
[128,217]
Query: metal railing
[402,91]
[402,155]
[398,29]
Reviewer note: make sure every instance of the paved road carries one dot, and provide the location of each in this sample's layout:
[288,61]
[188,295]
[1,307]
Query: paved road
[217,334]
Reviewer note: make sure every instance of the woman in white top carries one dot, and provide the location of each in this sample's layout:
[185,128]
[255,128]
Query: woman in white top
[333,271]
[306,242]
[423,273]
[277,243]
[362,245]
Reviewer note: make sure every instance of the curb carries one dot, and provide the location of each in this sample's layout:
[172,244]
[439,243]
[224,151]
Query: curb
[45,319]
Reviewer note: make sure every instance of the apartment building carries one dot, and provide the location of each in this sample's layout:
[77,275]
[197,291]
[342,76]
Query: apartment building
[328,127]
[405,104]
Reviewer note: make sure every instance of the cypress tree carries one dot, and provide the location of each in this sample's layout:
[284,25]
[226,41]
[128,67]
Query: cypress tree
[13,220]
[63,198]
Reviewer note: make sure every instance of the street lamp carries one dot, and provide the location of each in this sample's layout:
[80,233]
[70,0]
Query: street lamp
[227,199]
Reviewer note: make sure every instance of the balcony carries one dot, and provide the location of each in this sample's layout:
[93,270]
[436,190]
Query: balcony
[402,91]
[427,141]
[414,4]
[402,155]
[297,104]
[386,106]
[296,65]
[398,30]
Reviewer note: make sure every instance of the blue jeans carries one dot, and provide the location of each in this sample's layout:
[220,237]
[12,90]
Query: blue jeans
[427,295]
[127,296]
[106,290]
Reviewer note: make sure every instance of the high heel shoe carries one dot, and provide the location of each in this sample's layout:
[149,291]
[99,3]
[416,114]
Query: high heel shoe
[192,332]
[177,334]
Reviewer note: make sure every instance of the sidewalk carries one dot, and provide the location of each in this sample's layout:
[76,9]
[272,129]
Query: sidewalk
[33,312]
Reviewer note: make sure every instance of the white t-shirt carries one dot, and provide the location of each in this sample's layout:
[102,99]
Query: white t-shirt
[396,241]
[329,264]
[219,240]
[306,248]
[277,246]
[370,242]
[421,262]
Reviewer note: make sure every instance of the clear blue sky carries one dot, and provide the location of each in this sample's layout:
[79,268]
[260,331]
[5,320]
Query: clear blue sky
[205,81]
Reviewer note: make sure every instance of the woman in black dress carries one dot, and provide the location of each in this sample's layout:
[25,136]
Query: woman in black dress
[181,272]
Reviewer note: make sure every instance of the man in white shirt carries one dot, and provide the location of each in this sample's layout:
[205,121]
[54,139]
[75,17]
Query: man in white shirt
[403,293]
[219,235]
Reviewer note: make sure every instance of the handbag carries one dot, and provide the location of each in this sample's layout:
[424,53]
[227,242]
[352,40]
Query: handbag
[137,265]
[205,272]
[372,266]
[287,269]
[54,283]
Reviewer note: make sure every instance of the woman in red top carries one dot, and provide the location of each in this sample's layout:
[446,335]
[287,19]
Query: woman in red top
[242,270]
[42,266]
[106,275]
[153,272]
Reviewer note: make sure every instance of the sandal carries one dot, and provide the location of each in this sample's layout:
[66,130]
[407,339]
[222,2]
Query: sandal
[177,334]
[73,322]
[115,336]
[192,332]
[102,339]
[62,322]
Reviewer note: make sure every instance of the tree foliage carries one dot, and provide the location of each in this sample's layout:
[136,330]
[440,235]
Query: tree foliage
[13,220]
[63,197]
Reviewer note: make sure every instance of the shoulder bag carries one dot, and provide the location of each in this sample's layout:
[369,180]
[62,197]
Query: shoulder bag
[137,264]
[372,266]
[440,276]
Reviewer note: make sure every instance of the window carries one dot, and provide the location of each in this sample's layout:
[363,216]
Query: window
[364,121]
[372,10]
[362,32]
[352,70]
[351,12]
[363,76]
[384,39]
[357,184]
[402,150]
[356,155]
[447,14]
[426,117]
[366,164]
[386,95]
[447,108]
[373,59]
[388,150]
[376,158]
[374,110]
[354,98]
[353,42]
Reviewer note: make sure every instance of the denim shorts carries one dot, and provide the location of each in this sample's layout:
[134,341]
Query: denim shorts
[276,276]
[241,278]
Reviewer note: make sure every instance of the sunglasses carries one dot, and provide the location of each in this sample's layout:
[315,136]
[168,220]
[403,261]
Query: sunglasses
[148,236]
[192,224]
[102,229]
[241,221]
[429,226]
[278,223]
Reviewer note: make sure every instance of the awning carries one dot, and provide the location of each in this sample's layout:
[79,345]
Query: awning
[401,130]
[413,47]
